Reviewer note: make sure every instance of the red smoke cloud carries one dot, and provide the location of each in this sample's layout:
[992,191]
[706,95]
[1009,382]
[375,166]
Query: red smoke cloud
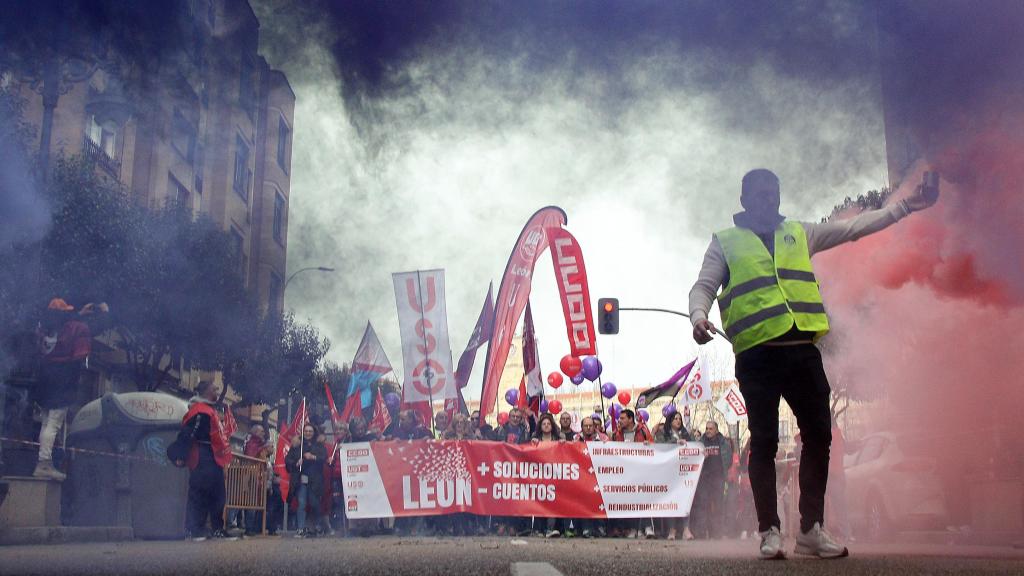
[929,315]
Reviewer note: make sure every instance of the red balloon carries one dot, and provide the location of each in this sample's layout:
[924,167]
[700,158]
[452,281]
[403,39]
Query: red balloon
[570,365]
[554,407]
[624,398]
[503,418]
[554,379]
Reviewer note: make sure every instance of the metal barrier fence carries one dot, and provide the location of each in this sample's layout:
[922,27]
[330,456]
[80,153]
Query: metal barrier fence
[245,486]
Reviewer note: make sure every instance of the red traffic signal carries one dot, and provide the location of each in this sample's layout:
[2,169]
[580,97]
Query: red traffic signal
[608,315]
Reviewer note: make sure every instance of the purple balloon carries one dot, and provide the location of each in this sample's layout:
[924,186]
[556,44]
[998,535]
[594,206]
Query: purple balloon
[608,390]
[644,415]
[578,378]
[591,368]
[512,396]
[543,405]
[597,417]
[392,401]
[614,410]
[668,410]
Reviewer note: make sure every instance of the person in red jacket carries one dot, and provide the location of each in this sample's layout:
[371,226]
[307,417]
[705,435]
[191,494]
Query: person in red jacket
[208,454]
[630,431]
[255,442]
[66,343]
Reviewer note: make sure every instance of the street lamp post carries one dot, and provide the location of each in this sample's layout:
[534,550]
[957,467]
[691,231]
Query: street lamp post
[297,272]
[288,405]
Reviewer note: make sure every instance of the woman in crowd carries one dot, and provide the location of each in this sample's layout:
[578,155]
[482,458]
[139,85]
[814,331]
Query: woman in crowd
[441,424]
[305,462]
[548,431]
[674,432]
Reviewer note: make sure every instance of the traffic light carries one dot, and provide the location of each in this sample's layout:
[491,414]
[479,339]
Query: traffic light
[608,315]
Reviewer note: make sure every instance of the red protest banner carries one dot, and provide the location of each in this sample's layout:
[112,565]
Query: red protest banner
[513,294]
[571,275]
[567,480]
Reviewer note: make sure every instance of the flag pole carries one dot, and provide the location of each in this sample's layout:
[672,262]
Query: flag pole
[302,438]
[426,356]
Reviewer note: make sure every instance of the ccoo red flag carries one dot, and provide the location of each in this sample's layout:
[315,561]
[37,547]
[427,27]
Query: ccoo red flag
[284,444]
[381,416]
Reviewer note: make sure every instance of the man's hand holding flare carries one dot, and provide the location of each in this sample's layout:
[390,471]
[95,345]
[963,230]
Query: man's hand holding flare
[703,330]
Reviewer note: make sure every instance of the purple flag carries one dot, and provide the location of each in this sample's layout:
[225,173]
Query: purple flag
[481,335]
[668,388]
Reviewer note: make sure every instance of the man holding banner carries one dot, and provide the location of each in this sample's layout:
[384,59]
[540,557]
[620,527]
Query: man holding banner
[772,312]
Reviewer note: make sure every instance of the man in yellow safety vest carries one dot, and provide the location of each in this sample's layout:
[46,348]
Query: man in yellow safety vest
[772,312]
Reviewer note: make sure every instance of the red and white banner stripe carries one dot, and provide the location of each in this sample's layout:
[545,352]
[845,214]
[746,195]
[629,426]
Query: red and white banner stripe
[561,480]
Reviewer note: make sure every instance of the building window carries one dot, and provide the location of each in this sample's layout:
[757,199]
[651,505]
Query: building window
[275,297]
[246,86]
[279,218]
[199,191]
[282,143]
[103,137]
[183,137]
[238,242]
[242,171]
[177,193]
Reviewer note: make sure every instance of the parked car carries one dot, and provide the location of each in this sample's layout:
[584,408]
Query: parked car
[891,486]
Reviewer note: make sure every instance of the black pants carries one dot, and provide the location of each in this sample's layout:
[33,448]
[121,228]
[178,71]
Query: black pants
[275,509]
[766,374]
[205,497]
[708,506]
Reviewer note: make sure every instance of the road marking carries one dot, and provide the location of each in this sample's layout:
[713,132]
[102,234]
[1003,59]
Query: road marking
[534,569]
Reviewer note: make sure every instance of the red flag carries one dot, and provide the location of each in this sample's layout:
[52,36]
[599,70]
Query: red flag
[455,405]
[353,407]
[521,400]
[571,275]
[284,444]
[531,364]
[230,425]
[512,296]
[381,416]
[336,418]
[424,409]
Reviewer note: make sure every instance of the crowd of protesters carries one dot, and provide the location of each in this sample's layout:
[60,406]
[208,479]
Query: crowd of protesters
[721,506]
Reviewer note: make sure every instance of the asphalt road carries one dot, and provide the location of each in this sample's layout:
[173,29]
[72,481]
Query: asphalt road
[486,557]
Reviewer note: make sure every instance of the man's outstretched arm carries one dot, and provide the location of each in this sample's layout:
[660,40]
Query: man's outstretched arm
[821,237]
[702,295]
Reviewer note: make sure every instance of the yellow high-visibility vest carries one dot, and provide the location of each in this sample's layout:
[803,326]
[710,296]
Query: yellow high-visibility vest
[766,297]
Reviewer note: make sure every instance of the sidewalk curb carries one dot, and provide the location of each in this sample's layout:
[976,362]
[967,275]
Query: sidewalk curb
[63,535]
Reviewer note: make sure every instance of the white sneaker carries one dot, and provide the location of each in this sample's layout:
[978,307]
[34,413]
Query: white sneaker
[45,469]
[818,542]
[771,545]
[649,532]
[553,534]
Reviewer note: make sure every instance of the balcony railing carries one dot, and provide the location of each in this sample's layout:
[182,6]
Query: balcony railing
[96,154]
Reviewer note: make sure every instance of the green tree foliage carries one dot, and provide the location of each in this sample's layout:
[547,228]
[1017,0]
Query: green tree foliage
[173,283]
[281,357]
[872,200]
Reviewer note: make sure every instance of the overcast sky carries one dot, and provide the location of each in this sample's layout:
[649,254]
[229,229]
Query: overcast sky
[426,140]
